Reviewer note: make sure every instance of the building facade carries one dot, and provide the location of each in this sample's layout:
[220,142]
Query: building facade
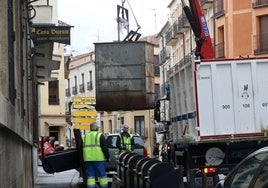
[16,96]
[238,29]
[50,76]
[79,83]
[26,63]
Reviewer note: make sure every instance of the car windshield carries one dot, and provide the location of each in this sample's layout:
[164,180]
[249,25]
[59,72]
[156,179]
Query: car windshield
[111,140]
[138,142]
[245,173]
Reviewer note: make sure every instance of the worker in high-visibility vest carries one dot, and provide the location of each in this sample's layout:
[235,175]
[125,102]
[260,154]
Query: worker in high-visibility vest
[125,141]
[95,153]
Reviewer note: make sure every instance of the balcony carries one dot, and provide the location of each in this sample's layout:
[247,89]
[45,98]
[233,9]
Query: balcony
[206,4]
[74,90]
[89,86]
[219,8]
[170,38]
[82,88]
[164,55]
[177,30]
[219,50]
[260,44]
[183,24]
[259,3]
[67,92]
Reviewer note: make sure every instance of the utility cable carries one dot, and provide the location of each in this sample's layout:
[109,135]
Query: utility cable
[133,15]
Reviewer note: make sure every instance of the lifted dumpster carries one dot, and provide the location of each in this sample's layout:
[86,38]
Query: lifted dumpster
[125,76]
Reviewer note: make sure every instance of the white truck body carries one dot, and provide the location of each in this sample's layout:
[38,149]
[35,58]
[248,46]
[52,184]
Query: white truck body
[219,100]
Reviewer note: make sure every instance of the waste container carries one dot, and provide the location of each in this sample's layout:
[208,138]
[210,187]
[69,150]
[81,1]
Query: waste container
[61,161]
[162,175]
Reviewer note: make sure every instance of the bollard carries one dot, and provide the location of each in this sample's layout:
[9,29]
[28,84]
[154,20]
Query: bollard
[137,172]
[131,170]
[124,168]
[144,170]
[162,175]
[120,164]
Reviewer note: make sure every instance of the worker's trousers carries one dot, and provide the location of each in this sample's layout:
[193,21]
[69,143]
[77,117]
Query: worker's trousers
[96,169]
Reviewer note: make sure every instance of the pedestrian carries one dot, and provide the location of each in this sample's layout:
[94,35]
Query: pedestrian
[125,141]
[48,145]
[95,153]
[156,151]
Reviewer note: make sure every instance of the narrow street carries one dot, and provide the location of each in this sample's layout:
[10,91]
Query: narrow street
[64,179]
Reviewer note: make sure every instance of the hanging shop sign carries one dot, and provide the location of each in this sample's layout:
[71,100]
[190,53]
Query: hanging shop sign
[49,33]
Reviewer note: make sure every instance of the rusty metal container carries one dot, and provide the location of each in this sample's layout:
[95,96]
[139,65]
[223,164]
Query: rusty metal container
[124,76]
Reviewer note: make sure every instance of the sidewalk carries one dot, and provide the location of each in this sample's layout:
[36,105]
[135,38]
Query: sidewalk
[64,179]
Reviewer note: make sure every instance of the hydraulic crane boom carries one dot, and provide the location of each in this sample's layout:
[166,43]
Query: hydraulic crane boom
[195,16]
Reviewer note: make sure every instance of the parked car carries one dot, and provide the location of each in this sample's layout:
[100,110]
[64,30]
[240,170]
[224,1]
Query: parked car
[111,139]
[251,172]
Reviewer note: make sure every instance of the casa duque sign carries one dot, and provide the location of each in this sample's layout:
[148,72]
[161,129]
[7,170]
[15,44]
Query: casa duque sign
[47,33]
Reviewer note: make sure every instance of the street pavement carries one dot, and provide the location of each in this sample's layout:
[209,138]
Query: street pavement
[66,179]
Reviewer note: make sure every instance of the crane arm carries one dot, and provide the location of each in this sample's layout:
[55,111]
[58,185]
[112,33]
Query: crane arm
[204,48]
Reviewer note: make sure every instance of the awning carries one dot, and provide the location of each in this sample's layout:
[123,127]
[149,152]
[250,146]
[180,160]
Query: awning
[58,124]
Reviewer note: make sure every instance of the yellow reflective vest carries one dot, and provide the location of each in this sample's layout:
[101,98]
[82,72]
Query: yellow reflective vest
[126,142]
[91,147]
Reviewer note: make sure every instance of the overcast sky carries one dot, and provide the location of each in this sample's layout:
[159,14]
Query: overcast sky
[95,20]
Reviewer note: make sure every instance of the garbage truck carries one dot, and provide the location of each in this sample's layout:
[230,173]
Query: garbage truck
[218,112]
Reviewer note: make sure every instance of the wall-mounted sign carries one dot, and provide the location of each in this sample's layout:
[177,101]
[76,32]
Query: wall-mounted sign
[84,99]
[49,33]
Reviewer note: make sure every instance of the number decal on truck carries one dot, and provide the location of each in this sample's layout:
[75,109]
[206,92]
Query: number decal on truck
[246,105]
[226,107]
[264,104]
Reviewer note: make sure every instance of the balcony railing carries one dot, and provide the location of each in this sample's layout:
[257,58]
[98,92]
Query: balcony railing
[164,55]
[82,88]
[89,86]
[169,37]
[219,50]
[206,4]
[259,3]
[260,43]
[74,90]
[219,8]
[67,92]
[183,23]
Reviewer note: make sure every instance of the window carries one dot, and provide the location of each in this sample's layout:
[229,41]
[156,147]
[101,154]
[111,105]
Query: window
[75,86]
[110,126]
[261,40]
[67,90]
[247,170]
[89,83]
[262,180]
[139,126]
[53,92]
[82,85]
